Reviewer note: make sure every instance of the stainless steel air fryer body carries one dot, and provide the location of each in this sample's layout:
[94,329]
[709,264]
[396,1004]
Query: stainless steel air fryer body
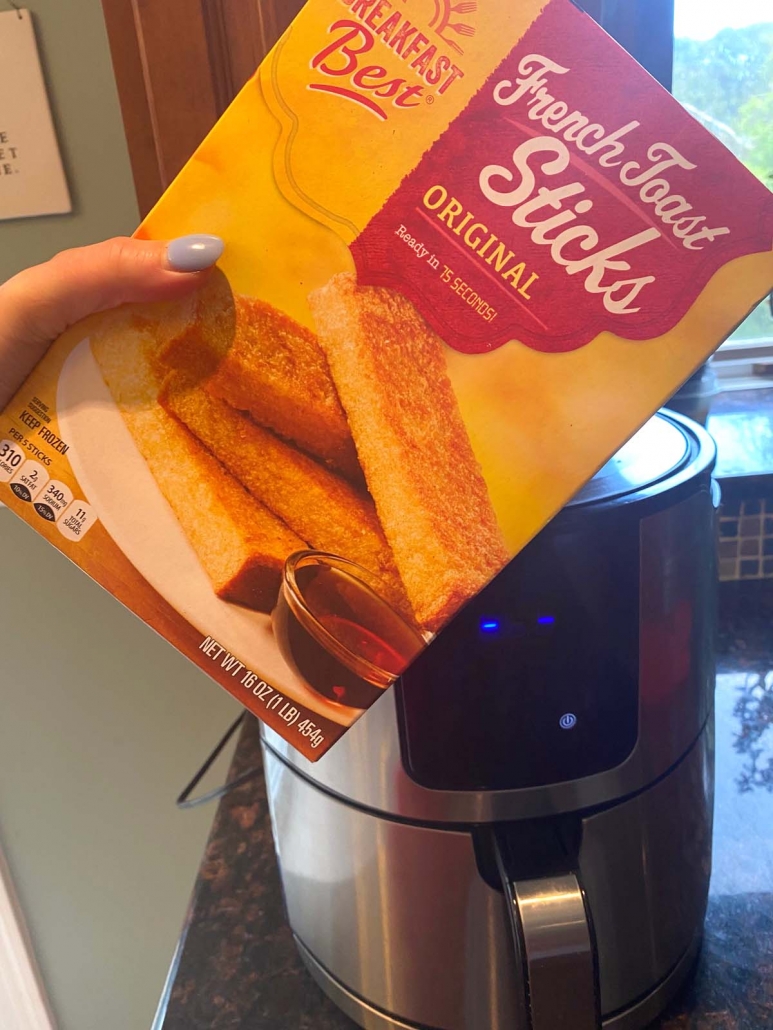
[519,833]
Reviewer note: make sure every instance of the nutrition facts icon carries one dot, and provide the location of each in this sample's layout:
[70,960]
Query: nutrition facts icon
[77,520]
[11,459]
[29,480]
[53,501]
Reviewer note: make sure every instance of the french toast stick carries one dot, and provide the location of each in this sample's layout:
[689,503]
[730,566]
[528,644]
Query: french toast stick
[317,504]
[263,362]
[430,495]
[241,545]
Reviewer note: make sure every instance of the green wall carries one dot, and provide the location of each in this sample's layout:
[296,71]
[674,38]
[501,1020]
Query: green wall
[101,722]
[76,63]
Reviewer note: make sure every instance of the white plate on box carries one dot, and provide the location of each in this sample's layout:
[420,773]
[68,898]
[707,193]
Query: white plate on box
[118,484]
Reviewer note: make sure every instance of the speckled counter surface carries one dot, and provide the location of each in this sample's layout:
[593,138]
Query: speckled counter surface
[236,967]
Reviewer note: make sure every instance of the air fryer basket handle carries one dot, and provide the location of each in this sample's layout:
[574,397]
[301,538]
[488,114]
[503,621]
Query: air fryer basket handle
[554,940]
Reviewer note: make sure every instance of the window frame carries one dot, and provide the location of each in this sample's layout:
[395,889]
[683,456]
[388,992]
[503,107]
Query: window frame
[645,28]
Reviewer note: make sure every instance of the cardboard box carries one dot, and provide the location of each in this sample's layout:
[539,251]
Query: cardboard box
[467,256]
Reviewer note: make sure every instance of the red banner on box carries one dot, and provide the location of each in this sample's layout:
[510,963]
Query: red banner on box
[553,220]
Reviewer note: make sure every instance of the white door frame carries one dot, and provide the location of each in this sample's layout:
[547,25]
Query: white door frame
[23,1001]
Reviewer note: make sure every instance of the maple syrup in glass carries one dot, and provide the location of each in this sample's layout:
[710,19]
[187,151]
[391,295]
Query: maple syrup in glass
[337,633]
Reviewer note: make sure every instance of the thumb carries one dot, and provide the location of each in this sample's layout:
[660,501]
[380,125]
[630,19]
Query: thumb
[38,304]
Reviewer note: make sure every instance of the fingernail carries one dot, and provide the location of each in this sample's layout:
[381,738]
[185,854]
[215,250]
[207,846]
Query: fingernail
[194,253]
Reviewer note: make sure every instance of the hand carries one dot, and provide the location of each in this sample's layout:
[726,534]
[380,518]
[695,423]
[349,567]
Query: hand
[37,305]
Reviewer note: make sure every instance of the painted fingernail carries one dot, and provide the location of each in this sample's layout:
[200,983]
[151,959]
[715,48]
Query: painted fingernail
[194,253]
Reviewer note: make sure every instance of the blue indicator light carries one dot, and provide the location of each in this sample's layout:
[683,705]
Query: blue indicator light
[489,625]
[546,620]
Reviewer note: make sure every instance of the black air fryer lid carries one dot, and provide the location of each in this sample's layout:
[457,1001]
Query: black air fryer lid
[658,450]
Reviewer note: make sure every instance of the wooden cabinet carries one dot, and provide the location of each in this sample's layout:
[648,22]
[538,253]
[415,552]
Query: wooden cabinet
[178,64]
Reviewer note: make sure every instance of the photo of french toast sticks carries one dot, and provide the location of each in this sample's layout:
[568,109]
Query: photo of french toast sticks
[261,361]
[390,374]
[240,543]
[266,439]
[322,507]
[238,490]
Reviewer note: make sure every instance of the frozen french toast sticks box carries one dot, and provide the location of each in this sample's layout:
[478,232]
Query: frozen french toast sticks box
[470,249]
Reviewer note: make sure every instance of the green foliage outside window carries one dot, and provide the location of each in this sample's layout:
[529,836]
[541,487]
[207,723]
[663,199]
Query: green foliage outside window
[727,84]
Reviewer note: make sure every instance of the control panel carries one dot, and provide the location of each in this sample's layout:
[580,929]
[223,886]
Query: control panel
[536,680]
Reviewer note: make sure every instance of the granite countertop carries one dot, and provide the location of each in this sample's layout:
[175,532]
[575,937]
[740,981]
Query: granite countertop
[236,967]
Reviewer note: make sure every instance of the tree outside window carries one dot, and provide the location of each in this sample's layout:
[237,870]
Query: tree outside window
[723,74]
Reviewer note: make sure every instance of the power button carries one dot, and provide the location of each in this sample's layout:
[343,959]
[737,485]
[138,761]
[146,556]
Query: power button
[568,721]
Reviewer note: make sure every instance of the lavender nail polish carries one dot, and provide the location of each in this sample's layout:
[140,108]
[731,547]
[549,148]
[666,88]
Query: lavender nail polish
[194,253]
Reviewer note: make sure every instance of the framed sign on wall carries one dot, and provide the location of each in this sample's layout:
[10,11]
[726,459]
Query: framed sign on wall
[32,179]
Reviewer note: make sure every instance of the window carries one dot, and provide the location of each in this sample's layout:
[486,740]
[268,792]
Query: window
[717,57]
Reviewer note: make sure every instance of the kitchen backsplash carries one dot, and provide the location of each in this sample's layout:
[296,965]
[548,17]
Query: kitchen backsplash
[746,539]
